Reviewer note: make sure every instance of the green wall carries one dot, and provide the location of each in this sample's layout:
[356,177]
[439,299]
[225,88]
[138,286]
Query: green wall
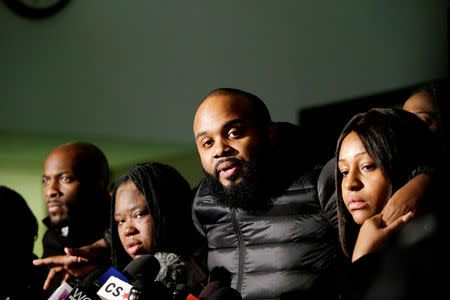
[140,68]
[22,157]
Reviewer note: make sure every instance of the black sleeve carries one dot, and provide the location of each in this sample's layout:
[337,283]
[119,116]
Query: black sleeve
[327,192]
[197,224]
[426,169]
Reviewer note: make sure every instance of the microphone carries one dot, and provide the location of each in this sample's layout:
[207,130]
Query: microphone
[141,272]
[72,290]
[114,289]
[105,276]
[218,286]
[61,292]
[226,293]
[147,266]
[216,291]
[85,289]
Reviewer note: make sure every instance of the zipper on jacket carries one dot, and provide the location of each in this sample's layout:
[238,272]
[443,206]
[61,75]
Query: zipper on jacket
[240,240]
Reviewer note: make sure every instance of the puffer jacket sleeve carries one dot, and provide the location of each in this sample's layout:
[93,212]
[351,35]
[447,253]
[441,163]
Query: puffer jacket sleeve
[326,191]
[195,220]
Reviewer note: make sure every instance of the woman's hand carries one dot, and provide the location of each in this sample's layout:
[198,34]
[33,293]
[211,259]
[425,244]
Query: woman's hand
[373,235]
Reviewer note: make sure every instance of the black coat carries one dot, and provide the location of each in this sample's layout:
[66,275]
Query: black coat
[282,251]
[83,229]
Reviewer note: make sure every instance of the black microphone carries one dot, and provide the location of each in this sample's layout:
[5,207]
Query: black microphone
[146,265]
[226,293]
[142,272]
[218,286]
[82,289]
[88,287]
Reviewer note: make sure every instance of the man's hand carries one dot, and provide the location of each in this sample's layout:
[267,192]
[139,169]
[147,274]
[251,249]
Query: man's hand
[64,265]
[77,262]
[411,197]
[92,252]
[373,235]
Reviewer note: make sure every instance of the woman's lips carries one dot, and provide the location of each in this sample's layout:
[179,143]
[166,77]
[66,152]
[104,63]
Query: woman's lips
[356,204]
[133,248]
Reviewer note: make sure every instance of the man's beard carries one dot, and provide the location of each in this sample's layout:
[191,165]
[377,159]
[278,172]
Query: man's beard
[252,193]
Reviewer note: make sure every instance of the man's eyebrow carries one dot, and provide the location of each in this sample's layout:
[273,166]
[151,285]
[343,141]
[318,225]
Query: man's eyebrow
[199,134]
[232,122]
[227,124]
[57,175]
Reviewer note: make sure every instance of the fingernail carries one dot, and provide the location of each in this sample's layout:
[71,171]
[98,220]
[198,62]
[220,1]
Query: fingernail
[408,216]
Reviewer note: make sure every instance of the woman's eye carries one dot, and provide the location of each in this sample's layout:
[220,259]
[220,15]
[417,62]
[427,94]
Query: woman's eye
[344,172]
[119,221]
[369,167]
[140,214]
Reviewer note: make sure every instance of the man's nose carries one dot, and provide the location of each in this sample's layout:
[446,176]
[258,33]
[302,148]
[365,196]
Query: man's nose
[51,190]
[222,148]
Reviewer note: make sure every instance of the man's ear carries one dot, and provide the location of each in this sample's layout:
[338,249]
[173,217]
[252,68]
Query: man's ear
[272,132]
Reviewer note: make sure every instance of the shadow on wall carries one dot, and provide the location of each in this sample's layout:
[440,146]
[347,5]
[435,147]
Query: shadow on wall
[324,123]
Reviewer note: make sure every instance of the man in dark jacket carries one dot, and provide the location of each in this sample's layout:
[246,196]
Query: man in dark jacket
[268,216]
[266,213]
[258,203]
[75,183]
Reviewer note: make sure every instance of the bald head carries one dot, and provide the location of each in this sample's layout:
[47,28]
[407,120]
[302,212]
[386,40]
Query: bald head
[224,102]
[75,174]
[258,110]
[89,161]
[230,128]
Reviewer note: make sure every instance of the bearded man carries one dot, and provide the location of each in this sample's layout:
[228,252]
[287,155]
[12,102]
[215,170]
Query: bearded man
[268,215]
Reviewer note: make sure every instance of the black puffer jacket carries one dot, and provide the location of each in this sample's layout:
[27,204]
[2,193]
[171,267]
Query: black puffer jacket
[283,250]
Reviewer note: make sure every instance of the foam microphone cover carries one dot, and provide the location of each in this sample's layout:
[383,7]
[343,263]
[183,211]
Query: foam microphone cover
[146,266]
[215,290]
[210,289]
[90,281]
[226,293]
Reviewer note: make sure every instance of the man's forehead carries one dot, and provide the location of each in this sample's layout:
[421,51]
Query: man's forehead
[224,106]
[64,158]
[58,161]
[226,101]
